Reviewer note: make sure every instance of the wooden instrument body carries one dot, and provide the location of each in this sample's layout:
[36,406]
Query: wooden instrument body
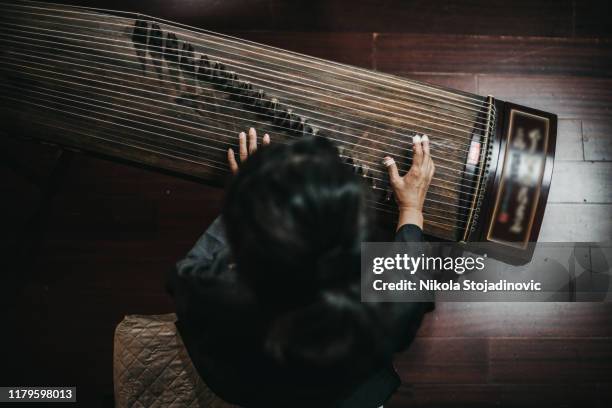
[93,81]
[512,209]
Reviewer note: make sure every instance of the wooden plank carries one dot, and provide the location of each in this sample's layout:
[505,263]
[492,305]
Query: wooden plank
[444,360]
[560,360]
[592,18]
[497,319]
[103,277]
[597,139]
[119,179]
[33,159]
[101,217]
[398,53]
[537,18]
[446,395]
[19,202]
[499,395]
[73,325]
[568,97]
[542,18]
[569,140]
[462,82]
[540,395]
[578,182]
[576,223]
[75,250]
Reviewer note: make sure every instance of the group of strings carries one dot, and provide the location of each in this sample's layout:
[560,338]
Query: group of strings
[459,125]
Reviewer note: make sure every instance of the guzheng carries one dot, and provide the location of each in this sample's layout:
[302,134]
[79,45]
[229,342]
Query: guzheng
[175,97]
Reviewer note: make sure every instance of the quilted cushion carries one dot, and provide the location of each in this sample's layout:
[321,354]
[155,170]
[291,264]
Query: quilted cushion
[151,367]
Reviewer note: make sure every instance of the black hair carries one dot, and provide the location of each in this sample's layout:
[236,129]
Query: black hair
[295,217]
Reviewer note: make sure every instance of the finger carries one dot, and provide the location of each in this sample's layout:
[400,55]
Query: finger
[266,139]
[425,142]
[427,161]
[428,169]
[231,159]
[389,163]
[242,146]
[417,151]
[252,140]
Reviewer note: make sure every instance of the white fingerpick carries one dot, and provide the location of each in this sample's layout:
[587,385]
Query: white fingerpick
[388,161]
[425,138]
[416,139]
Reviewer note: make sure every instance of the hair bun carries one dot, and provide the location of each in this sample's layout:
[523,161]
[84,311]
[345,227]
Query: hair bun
[325,335]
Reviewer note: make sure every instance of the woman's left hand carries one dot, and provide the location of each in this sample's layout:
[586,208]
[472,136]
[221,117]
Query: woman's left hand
[244,150]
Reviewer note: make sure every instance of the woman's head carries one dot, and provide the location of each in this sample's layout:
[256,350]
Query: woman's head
[295,214]
[295,217]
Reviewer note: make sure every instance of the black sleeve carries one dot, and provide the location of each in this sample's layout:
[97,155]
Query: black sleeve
[409,315]
[204,267]
[409,233]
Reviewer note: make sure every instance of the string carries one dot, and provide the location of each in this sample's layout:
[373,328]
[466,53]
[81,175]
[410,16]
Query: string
[439,144]
[385,174]
[217,134]
[132,128]
[232,63]
[224,171]
[203,145]
[385,180]
[418,123]
[187,141]
[36,55]
[99,29]
[245,43]
[342,141]
[89,134]
[426,221]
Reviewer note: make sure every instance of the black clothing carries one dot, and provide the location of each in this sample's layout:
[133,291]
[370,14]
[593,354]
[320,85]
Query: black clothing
[222,326]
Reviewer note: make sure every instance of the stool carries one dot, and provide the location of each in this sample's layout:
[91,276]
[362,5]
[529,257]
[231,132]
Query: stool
[151,367]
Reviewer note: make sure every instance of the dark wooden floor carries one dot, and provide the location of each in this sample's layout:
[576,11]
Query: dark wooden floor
[111,231]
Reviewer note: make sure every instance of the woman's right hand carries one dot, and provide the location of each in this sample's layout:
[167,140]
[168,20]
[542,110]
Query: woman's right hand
[410,190]
[245,151]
